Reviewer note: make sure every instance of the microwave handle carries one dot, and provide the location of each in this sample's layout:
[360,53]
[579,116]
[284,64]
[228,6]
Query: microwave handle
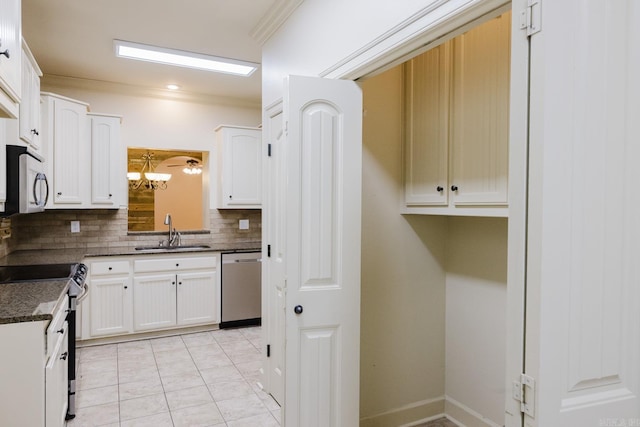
[36,198]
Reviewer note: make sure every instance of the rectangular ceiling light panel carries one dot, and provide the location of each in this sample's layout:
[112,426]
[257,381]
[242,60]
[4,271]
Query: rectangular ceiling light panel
[181,58]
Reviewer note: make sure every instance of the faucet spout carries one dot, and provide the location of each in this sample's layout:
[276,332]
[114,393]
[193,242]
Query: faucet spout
[167,221]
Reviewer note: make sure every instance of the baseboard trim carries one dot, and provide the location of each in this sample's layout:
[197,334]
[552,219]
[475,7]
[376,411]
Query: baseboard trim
[407,415]
[465,416]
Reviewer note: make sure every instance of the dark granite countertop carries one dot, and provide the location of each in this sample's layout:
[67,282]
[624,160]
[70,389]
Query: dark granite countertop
[30,301]
[35,301]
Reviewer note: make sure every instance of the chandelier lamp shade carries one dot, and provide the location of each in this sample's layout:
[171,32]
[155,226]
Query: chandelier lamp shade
[147,178]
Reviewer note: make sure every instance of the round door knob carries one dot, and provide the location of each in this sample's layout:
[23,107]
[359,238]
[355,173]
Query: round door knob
[298,309]
[439,188]
[454,188]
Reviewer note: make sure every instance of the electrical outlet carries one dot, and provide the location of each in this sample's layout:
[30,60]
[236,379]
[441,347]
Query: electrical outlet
[244,224]
[75,226]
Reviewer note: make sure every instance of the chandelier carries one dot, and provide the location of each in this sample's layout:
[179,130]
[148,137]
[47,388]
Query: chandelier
[147,178]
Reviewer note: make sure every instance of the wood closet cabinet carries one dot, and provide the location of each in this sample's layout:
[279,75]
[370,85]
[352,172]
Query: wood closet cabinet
[457,125]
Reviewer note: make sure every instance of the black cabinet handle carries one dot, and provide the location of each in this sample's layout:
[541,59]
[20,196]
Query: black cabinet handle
[126,287]
[439,188]
[60,331]
[5,53]
[35,132]
[64,355]
[59,193]
[454,188]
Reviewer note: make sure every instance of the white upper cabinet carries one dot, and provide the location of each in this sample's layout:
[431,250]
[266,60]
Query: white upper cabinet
[29,122]
[457,125]
[10,57]
[65,123]
[239,167]
[82,152]
[105,175]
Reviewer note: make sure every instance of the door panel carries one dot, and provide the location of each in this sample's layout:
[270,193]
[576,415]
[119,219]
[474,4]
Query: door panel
[323,122]
[583,332]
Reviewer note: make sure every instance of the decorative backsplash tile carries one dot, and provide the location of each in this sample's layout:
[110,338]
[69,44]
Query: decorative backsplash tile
[98,228]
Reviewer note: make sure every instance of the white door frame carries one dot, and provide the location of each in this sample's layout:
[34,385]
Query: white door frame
[430,27]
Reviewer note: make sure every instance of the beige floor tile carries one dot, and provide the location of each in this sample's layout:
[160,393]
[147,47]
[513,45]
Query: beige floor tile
[106,365]
[96,416]
[96,396]
[223,390]
[222,373]
[95,380]
[237,347]
[277,414]
[137,373]
[143,406]
[226,335]
[249,368]
[167,343]
[194,416]
[134,348]
[181,381]
[251,333]
[262,420]
[178,367]
[172,356]
[158,420]
[136,389]
[198,339]
[98,352]
[214,361]
[249,356]
[188,397]
[241,407]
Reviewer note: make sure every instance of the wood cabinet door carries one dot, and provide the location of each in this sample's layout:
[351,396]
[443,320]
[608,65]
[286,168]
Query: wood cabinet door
[480,114]
[110,306]
[427,133]
[154,301]
[196,298]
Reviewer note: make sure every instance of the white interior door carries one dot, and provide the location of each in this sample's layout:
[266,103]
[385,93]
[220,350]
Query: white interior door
[583,322]
[323,134]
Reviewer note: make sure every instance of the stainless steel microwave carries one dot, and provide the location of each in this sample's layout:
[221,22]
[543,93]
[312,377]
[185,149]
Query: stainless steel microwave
[27,185]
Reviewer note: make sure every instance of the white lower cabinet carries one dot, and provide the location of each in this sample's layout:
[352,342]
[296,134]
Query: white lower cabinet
[146,293]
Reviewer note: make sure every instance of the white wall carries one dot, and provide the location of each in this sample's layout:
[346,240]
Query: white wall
[159,123]
[476,295]
[403,277]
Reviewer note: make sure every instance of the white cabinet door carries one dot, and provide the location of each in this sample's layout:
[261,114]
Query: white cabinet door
[240,167]
[480,114]
[196,299]
[56,382]
[30,106]
[323,196]
[427,133]
[110,306]
[10,59]
[105,141]
[154,301]
[70,148]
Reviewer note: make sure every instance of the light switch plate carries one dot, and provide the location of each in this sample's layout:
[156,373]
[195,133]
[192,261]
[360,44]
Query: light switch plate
[244,224]
[75,226]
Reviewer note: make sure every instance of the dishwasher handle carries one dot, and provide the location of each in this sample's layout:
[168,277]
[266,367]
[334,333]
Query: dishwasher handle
[242,260]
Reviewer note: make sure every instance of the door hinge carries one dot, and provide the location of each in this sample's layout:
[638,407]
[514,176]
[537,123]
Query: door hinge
[530,17]
[269,150]
[269,251]
[524,391]
[268,350]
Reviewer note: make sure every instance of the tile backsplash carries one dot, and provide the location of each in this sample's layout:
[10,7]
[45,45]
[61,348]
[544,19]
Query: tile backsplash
[101,227]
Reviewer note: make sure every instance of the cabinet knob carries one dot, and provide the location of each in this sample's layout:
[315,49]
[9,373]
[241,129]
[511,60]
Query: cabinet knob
[298,309]
[230,196]
[126,287]
[60,331]
[439,188]
[110,268]
[177,265]
[179,283]
[35,132]
[173,283]
[64,355]
[5,53]
[110,195]
[59,193]
[454,188]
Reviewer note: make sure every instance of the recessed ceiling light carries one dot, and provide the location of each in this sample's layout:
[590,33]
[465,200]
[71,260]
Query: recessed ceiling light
[183,58]
[173,87]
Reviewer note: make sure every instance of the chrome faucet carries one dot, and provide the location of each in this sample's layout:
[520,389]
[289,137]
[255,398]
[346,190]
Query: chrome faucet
[174,236]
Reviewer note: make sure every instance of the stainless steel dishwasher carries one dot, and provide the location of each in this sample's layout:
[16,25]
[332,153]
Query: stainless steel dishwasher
[241,289]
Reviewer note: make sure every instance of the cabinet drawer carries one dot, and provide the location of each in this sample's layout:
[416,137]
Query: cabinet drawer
[58,326]
[173,264]
[109,267]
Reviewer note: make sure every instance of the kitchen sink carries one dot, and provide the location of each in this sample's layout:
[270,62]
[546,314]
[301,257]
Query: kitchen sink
[172,248]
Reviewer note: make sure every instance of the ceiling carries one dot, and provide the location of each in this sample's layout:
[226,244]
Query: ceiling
[74,38]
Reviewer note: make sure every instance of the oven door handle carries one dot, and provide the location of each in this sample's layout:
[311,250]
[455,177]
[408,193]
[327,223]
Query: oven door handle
[37,194]
[84,293]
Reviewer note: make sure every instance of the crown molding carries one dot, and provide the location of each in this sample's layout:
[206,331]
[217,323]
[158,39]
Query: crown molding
[273,19]
[52,82]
